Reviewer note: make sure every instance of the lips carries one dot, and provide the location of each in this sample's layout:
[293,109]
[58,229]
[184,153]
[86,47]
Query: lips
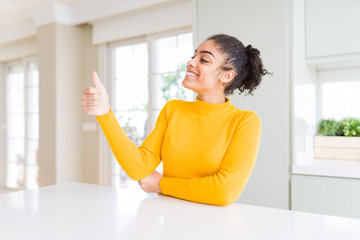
[191,74]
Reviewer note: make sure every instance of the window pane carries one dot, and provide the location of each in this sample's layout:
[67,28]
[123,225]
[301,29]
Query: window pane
[22,125]
[131,93]
[32,153]
[15,77]
[33,126]
[341,99]
[130,86]
[15,126]
[33,74]
[134,124]
[167,84]
[15,100]
[166,55]
[15,162]
[185,48]
[16,178]
[32,177]
[32,100]
[130,99]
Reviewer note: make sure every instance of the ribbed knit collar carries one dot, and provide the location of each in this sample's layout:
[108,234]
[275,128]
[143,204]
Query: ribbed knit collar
[213,107]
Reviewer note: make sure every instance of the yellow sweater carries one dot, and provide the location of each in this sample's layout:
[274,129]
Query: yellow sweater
[208,150]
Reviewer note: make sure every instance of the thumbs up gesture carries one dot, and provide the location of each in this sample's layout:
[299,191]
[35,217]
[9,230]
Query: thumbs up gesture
[95,100]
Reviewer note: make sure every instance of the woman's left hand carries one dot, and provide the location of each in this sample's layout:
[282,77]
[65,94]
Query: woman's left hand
[151,183]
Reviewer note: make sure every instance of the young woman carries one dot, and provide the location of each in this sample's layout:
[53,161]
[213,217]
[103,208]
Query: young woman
[208,147]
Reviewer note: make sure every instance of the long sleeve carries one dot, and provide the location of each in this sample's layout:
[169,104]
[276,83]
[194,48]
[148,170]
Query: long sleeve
[225,186]
[138,162]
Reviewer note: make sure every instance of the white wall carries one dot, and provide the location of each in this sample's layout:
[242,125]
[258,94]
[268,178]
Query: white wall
[266,26]
[69,70]
[18,49]
[140,24]
[60,75]
[332,27]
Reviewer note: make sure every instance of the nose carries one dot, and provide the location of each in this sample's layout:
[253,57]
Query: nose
[191,63]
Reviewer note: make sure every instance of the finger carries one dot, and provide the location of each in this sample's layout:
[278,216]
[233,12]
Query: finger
[90,103]
[91,90]
[88,111]
[87,106]
[87,102]
[90,97]
[97,81]
[93,97]
[90,107]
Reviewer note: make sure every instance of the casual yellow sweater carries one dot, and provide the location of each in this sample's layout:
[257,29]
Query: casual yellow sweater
[208,150]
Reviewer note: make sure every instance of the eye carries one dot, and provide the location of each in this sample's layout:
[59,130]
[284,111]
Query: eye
[192,57]
[203,60]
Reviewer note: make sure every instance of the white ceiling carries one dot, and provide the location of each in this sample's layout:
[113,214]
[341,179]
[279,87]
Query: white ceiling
[20,18]
[15,11]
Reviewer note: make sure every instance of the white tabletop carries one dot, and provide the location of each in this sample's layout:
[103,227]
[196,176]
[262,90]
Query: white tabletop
[84,211]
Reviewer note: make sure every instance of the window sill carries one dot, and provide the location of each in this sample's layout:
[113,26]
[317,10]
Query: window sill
[307,165]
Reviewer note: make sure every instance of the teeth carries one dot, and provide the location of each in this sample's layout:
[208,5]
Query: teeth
[191,74]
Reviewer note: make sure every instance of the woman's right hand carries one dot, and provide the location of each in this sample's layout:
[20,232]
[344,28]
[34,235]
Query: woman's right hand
[95,100]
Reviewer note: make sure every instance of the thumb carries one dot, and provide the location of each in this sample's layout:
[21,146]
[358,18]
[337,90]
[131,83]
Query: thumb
[97,81]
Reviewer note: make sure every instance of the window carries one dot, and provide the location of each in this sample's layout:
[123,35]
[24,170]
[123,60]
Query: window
[340,93]
[146,73]
[21,138]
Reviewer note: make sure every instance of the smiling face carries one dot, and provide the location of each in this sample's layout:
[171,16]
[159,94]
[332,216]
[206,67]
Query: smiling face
[204,74]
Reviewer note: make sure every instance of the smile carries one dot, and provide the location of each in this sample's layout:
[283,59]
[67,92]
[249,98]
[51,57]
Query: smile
[191,74]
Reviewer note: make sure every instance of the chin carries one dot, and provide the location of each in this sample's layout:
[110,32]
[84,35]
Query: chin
[185,84]
[189,85]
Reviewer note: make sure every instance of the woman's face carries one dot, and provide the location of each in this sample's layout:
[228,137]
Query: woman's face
[203,70]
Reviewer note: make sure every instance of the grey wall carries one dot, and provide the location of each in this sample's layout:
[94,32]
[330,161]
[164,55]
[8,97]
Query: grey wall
[266,26]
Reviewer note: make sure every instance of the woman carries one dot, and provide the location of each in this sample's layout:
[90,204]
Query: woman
[208,147]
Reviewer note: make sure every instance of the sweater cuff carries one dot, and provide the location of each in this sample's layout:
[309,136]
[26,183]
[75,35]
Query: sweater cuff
[105,116]
[163,185]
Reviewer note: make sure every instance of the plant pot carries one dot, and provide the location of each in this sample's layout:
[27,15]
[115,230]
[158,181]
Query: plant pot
[334,147]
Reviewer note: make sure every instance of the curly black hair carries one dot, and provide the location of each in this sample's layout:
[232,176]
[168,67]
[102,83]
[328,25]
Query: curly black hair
[245,61]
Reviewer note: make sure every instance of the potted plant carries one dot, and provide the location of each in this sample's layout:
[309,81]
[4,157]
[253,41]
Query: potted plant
[338,139]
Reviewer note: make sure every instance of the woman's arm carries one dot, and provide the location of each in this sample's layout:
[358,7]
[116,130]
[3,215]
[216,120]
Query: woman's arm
[138,162]
[225,186]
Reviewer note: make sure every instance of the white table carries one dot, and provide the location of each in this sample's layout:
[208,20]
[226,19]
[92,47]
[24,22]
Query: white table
[84,211]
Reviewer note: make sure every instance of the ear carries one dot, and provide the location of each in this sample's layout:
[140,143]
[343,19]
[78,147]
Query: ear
[227,76]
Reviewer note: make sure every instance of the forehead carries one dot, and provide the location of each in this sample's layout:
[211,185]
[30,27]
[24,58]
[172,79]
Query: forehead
[210,46]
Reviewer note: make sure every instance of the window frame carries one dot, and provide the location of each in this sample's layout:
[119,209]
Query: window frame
[2,126]
[24,62]
[106,171]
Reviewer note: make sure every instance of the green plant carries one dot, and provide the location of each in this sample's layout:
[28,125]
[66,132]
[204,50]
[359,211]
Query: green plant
[171,88]
[351,127]
[328,127]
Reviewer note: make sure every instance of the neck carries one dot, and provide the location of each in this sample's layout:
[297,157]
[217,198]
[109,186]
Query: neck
[212,98]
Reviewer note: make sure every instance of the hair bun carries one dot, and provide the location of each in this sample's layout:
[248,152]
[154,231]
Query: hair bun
[245,61]
[252,52]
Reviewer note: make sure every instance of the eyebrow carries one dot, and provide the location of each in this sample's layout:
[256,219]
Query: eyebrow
[206,52]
